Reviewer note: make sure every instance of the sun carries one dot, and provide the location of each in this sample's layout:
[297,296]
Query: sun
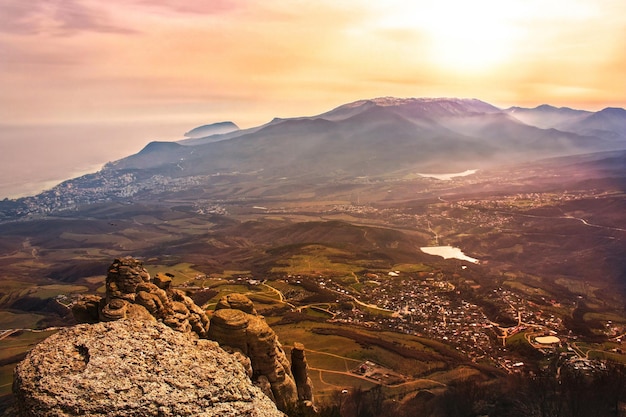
[472,39]
[459,36]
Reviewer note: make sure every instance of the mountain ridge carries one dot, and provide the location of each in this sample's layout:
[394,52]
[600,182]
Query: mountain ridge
[379,138]
[440,126]
[212,129]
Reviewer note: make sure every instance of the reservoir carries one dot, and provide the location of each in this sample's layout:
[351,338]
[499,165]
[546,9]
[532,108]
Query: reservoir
[448,252]
[448,177]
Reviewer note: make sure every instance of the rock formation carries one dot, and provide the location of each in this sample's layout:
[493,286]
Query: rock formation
[300,371]
[235,325]
[238,302]
[239,331]
[131,293]
[134,368]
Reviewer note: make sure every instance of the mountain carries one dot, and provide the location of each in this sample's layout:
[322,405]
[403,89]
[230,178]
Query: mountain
[366,140]
[546,116]
[414,107]
[608,124]
[372,137]
[212,129]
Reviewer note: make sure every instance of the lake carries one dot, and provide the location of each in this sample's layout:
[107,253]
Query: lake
[448,177]
[448,252]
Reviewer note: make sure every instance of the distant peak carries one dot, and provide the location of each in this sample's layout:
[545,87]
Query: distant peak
[212,129]
[158,146]
[395,101]
[613,110]
[452,105]
[545,107]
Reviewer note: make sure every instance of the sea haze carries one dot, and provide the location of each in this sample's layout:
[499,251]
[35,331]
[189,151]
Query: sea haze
[36,158]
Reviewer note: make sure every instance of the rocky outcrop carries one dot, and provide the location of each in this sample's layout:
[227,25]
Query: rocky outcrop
[134,368]
[132,294]
[238,302]
[87,310]
[300,371]
[238,331]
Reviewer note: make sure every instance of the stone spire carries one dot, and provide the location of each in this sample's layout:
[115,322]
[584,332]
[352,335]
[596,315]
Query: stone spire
[249,334]
[300,371]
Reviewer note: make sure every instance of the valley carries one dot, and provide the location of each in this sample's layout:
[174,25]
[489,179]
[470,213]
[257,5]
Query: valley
[339,267]
[334,226]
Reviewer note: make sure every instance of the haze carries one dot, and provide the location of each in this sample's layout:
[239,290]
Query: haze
[85,82]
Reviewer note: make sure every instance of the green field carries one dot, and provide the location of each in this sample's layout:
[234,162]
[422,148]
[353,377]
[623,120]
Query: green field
[182,272]
[316,259]
[50,291]
[412,268]
[10,320]
[332,357]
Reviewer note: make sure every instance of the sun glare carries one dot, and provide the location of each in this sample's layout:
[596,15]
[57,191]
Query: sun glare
[461,36]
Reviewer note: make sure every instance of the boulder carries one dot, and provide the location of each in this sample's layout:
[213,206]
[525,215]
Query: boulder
[123,277]
[228,328]
[87,309]
[162,281]
[134,368]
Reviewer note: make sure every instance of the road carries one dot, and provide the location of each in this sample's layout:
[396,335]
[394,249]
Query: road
[281,296]
[7,333]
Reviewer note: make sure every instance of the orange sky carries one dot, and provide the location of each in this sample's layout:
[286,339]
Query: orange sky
[188,63]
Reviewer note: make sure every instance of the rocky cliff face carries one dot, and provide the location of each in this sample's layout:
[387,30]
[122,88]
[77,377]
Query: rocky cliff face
[134,368]
[247,333]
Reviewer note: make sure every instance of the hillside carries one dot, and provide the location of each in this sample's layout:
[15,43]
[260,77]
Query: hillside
[368,140]
[322,222]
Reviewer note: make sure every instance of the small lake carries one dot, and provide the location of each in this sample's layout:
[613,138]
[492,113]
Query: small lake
[448,177]
[448,252]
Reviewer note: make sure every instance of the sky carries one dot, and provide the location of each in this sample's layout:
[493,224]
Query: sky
[87,81]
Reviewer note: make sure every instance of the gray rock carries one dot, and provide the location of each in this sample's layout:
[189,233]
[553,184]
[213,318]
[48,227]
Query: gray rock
[134,368]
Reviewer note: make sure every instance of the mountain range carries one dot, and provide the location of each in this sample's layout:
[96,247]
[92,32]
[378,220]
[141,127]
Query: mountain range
[370,140]
[389,136]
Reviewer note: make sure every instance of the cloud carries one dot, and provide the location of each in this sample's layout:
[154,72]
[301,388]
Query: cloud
[55,17]
[260,59]
[193,7]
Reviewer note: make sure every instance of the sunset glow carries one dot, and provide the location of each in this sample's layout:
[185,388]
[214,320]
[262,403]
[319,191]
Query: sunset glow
[85,82]
[94,60]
